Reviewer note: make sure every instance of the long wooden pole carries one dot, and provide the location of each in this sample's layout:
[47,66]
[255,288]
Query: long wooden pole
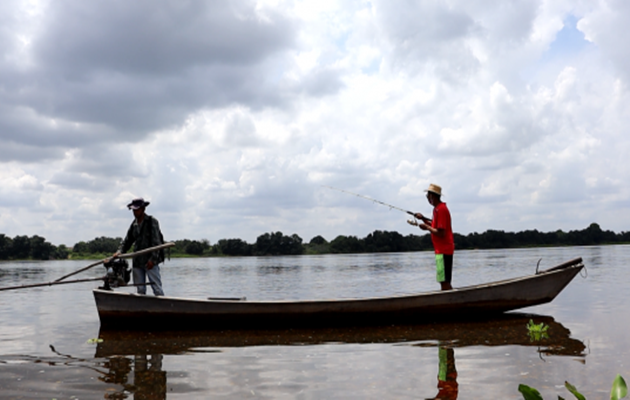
[127,255]
[51,283]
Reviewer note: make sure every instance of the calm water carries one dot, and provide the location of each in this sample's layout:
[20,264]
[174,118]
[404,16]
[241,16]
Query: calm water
[45,353]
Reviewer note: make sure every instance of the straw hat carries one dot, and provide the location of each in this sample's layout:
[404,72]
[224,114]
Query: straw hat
[433,188]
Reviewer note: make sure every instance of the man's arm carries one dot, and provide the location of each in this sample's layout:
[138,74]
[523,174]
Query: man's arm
[439,232]
[155,241]
[126,243]
[423,218]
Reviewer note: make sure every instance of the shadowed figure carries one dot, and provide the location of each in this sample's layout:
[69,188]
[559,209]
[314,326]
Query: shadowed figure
[447,375]
[149,381]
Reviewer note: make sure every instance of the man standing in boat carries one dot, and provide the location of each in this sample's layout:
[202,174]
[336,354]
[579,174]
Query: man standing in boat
[143,233]
[441,235]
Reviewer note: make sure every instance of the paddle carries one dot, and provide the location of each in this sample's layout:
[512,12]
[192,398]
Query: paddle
[127,255]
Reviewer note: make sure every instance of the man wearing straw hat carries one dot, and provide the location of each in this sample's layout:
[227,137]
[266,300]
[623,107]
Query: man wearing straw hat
[143,233]
[441,235]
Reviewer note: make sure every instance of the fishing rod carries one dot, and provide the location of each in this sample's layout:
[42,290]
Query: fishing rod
[371,199]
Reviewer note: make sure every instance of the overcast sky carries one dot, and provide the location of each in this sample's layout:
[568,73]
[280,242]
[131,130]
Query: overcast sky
[229,117]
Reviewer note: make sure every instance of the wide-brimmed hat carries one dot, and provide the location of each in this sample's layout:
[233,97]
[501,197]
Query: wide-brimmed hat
[137,203]
[433,188]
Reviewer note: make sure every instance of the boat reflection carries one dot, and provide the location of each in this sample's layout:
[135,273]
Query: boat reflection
[141,352]
[507,329]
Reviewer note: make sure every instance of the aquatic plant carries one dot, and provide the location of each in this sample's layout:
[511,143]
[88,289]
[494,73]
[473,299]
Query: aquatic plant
[618,391]
[537,331]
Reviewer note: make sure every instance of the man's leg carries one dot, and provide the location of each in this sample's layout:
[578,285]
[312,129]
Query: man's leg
[139,276]
[156,282]
[448,272]
[443,269]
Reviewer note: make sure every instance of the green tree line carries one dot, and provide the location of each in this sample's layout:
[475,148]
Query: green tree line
[34,247]
[277,243]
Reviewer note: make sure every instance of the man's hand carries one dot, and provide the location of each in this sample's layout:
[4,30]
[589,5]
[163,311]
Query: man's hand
[419,216]
[116,254]
[425,227]
[149,264]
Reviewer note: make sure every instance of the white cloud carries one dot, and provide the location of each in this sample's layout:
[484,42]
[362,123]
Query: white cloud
[230,117]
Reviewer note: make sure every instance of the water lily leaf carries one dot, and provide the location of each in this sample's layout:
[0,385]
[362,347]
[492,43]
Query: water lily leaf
[529,393]
[95,340]
[574,391]
[619,388]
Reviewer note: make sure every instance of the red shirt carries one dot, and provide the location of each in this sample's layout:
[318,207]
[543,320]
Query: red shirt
[442,220]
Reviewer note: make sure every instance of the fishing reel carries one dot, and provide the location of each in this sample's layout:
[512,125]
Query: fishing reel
[118,273]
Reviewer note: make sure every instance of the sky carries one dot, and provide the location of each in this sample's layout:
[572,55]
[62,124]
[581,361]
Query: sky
[231,118]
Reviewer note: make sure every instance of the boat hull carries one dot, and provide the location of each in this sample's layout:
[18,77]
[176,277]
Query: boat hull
[127,310]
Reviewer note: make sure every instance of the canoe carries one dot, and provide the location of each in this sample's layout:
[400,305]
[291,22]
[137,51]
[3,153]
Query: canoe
[129,310]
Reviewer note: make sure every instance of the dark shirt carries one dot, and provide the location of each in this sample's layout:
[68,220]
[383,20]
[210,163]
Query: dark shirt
[142,236]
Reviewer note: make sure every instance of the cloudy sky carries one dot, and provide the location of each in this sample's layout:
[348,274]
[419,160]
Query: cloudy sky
[230,117]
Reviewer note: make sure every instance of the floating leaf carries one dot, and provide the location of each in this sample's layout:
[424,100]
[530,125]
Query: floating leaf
[529,393]
[95,340]
[537,331]
[619,388]
[574,391]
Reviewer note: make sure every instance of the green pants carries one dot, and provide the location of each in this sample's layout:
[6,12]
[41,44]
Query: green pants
[443,267]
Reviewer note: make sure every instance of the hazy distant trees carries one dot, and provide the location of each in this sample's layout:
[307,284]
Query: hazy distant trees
[276,243]
[24,247]
[40,249]
[99,245]
[267,244]
[233,247]
[493,239]
[317,245]
[380,242]
[6,246]
[346,244]
[192,247]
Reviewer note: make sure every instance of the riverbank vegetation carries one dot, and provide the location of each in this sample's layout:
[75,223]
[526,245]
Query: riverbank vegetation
[277,243]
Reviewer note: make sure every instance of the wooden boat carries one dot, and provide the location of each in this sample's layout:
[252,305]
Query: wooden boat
[130,310]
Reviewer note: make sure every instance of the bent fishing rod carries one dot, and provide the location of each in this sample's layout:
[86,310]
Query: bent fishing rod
[413,222]
[371,199]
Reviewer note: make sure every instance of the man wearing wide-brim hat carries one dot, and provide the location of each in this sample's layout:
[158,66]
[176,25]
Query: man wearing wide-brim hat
[143,233]
[441,235]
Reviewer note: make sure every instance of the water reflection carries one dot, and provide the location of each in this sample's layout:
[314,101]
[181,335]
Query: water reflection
[149,380]
[141,353]
[447,375]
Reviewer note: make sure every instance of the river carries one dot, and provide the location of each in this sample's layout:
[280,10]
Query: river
[51,345]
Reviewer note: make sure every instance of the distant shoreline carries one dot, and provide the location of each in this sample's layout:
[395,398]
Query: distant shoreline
[23,248]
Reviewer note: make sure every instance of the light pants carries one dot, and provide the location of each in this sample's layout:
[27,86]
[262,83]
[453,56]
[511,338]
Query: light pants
[141,274]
